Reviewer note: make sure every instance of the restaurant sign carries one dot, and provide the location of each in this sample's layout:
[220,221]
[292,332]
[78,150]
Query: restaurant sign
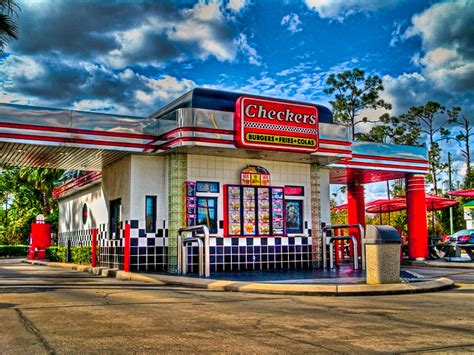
[276,125]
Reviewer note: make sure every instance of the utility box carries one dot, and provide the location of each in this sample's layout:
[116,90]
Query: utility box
[382,255]
[40,239]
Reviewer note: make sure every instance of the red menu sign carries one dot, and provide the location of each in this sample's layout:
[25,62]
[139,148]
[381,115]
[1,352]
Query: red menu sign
[276,125]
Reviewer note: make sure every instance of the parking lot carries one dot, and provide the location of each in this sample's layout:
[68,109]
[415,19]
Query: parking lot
[46,310]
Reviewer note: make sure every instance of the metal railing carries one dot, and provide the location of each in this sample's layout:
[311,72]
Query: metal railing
[202,240]
[329,241]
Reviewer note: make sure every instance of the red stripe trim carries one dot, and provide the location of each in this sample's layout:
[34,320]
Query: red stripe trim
[337,151]
[76,183]
[195,139]
[385,165]
[195,129]
[329,141]
[75,141]
[407,160]
[75,130]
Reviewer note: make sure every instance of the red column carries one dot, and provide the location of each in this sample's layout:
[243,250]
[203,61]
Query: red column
[126,252]
[356,210]
[94,247]
[416,215]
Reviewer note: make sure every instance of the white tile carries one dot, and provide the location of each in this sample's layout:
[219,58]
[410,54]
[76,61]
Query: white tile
[212,242]
[257,242]
[271,241]
[142,242]
[284,240]
[227,242]
[242,242]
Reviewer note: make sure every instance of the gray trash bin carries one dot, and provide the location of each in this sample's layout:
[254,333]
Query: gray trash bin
[382,255]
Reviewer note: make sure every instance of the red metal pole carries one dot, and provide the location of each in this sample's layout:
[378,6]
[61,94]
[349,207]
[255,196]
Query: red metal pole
[94,247]
[416,215]
[337,245]
[126,253]
[356,210]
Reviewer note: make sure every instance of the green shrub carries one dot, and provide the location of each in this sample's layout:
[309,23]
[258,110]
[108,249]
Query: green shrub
[79,255]
[13,250]
[56,254]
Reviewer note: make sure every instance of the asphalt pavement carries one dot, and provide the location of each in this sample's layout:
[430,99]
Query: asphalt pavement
[56,311]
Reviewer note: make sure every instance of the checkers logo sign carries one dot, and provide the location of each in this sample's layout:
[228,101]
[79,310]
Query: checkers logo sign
[276,125]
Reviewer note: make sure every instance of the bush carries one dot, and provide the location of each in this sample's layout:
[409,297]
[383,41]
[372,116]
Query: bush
[56,254]
[13,250]
[79,255]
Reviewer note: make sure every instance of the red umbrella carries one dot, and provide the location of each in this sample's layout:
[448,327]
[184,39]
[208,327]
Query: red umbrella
[462,193]
[339,208]
[434,203]
[386,205]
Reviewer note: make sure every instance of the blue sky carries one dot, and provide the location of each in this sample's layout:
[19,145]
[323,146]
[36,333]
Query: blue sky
[131,57]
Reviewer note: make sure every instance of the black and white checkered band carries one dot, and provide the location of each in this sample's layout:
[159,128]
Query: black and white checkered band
[280,128]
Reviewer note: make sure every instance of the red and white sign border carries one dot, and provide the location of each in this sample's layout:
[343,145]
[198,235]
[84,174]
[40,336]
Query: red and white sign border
[239,124]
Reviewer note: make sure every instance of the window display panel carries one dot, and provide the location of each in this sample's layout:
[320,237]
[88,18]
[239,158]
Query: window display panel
[263,196]
[294,216]
[249,211]
[234,208]
[207,213]
[278,218]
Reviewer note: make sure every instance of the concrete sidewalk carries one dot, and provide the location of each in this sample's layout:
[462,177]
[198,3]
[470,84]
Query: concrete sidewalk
[440,263]
[255,287]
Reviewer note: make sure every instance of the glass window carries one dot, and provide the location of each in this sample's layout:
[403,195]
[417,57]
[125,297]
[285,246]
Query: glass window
[294,216]
[150,214]
[207,213]
[115,217]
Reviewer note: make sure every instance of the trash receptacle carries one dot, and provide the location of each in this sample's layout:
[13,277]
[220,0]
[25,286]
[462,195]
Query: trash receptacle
[382,255]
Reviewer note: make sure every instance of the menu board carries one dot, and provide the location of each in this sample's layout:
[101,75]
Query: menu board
[249,211]
[190,203]
[277,211]
[234,207]
[263,196]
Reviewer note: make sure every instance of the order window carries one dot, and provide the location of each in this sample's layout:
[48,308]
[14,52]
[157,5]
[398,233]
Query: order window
[150,214]
[207,213]
[294,216]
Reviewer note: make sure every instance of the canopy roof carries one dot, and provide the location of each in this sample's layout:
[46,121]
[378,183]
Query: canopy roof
[462,193]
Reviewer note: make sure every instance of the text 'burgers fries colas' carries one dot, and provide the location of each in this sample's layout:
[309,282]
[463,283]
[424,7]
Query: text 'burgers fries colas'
[276,125]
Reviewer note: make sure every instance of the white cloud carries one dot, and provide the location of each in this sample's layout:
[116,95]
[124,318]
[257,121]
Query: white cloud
[248,50]
[164,89]
[340,9]
[292,23]
[447,41]
[95,105]
[21,67]
[237,5]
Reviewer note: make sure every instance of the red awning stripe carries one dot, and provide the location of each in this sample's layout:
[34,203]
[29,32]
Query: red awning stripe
[76,131]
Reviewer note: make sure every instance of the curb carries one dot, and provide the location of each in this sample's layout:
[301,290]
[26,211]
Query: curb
[444,264]
[266,288]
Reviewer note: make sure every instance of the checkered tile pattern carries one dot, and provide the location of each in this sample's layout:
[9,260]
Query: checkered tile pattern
[78,238]
[281,128]
[148,251]
[239,254]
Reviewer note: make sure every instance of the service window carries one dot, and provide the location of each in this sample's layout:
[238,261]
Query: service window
[115,217]
[150,214]
[294,216]
[207,213]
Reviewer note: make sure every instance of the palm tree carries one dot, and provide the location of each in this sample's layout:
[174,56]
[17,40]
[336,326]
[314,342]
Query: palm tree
[8,28]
